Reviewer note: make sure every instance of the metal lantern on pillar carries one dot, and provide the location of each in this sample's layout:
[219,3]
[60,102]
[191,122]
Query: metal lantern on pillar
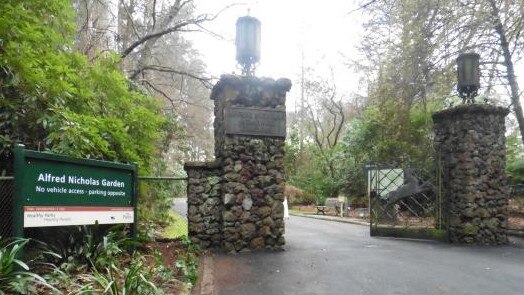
[468,76]
[248,43]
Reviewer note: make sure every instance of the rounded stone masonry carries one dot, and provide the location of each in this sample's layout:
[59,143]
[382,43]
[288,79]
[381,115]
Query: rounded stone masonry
[249,141]
[236,203]
[471,149]
[204,204]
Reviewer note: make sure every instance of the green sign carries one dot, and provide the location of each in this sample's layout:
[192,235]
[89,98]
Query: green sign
[48,182]
[54,190]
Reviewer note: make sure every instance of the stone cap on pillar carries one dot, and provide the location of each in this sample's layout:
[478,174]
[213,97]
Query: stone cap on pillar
[470,109]
[210,165]
[249,86]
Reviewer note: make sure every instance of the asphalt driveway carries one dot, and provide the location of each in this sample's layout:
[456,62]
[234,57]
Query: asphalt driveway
[325,257]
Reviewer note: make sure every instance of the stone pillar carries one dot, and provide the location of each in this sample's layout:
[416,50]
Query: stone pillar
[470,143]
[204,204]
[250,130]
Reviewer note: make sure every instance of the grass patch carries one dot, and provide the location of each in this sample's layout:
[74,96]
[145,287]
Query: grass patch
[299,212]
[177,227]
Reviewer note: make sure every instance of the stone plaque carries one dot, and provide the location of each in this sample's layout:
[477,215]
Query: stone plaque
[252,121]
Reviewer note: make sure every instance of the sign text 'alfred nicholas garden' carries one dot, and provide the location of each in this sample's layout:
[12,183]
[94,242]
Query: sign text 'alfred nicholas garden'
[54,190]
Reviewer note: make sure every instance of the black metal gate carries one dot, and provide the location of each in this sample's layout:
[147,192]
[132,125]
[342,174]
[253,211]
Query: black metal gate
[6,206]
[405,202]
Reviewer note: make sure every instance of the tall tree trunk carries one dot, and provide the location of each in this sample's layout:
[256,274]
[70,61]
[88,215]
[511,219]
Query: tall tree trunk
[82,23]
[508,63]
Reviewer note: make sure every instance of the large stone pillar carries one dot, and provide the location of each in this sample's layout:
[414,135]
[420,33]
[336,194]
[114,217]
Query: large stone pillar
[470,143]
[250,129]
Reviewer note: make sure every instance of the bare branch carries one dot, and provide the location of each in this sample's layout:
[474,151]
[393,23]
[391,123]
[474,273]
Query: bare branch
[334,119]
[180,26]
[316,135]
[153,14]
[172,100]
[159,91]
[130,18]
[172,29]
[363,6]
[205,81]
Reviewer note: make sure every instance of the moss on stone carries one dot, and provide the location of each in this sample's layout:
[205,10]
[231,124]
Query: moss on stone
[469,229]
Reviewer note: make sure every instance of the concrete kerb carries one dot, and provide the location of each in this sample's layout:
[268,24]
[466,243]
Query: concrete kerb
[205,284]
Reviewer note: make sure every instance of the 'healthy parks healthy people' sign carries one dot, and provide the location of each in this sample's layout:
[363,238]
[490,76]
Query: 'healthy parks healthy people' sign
[54,190]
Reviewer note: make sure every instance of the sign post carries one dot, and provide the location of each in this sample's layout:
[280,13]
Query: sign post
[54,190]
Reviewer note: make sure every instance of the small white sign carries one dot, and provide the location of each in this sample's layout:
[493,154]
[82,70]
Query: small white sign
[41,216]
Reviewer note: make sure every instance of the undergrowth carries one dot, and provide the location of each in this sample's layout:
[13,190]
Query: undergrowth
[92,261]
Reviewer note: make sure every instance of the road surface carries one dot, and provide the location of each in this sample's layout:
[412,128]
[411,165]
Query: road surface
[180,206]
[325,257]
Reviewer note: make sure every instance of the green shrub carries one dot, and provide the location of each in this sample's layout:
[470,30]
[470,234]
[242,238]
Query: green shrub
[516,171]
[189,265]
[188,261]
[84,246]
[137,279]
[306,199]
[15,275]
[359,202]
[53,98]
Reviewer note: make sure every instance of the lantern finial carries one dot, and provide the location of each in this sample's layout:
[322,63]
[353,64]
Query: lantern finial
[248,43]
[468,76]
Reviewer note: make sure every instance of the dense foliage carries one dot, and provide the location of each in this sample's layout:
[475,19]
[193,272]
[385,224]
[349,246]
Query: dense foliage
[96,263]
[379,136]
[53,98]
[56,98]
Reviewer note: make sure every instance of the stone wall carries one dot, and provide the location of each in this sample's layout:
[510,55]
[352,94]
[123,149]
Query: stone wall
[204,203]
[470,141]
[249,170]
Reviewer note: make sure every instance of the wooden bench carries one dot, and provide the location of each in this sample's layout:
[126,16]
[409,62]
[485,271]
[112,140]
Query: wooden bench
[322,209]
[331,203]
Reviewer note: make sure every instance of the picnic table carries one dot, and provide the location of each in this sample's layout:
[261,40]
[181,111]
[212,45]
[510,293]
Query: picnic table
[331,203]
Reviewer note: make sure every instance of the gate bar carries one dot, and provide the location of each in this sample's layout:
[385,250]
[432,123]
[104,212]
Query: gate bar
[161,178]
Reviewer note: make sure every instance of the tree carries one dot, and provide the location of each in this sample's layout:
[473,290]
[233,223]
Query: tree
[53,98]
[407,76]
[313,152]
[326,116]
[149,35]
[447,27]
[509,35]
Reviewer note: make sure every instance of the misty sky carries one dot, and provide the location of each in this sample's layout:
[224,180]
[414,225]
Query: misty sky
[324,31]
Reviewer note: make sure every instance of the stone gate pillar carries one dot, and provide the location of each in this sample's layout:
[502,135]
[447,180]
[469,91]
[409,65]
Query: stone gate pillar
[470,143]
[235,202]
[250,130]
